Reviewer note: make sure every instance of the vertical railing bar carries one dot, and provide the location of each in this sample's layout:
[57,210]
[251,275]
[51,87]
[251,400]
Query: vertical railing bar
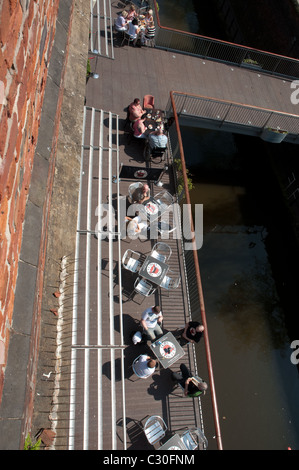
[75,301]
[99,288]
[99,26]
[111,302]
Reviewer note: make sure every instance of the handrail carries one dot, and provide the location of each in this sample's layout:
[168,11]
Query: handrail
[225,51]
[231,112]
[198,279]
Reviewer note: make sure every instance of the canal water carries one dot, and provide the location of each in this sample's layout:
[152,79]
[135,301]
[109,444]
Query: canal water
[248,285]
[249,273]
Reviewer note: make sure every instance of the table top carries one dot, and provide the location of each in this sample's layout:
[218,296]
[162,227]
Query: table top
[152,209]
[174,443]
[167,350]
[153,270]
[153,120]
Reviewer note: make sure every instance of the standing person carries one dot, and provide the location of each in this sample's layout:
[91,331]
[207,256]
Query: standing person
[151,320]
[193,386]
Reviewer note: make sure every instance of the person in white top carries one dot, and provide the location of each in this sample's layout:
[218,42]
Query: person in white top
[151,320]
[120,22]
[134,30]
[136,226]
[145,366]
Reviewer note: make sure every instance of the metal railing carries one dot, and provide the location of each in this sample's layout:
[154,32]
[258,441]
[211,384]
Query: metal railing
[192,264]
[202,46]
[225,112]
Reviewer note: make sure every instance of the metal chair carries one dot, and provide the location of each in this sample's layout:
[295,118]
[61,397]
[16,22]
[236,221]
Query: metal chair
[143,287]
[154,429]
[164,199]
[148,102]
[161,251]
[194,439]
[158,152]
[132,261]
[127,38]
[135,370]
[169,282]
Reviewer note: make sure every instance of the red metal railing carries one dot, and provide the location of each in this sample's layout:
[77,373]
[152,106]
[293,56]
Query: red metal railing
[198,280]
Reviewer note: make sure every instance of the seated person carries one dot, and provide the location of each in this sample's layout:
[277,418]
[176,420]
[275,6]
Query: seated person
[131,13]
[135,110]
[133,30]
[192,386]
[149,17]
[139,129]
[141,194]
[157,139]
[121,22]
[136,225]
[150,31]
[145,366]
[192,333]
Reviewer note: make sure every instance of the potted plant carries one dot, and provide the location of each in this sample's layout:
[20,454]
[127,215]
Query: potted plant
[180,178]
[251,64]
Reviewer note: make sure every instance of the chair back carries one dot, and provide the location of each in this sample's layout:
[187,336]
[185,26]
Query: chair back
[148,102]
[161,251]
[158,151]
[154,429]
[132,188]
[136,371]
[164,197]
[170,282]
[131,261]
[195,438]
[144,287]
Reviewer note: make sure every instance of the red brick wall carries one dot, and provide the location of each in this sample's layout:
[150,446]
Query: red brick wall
[27,29]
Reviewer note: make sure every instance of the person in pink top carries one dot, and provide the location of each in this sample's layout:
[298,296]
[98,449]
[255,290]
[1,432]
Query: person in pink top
[135,110]
[139,129]
[132,13]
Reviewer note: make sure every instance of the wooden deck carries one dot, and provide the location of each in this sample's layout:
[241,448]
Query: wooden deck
[98,407]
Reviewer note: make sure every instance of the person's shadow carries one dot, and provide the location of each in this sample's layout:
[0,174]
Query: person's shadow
[161,385]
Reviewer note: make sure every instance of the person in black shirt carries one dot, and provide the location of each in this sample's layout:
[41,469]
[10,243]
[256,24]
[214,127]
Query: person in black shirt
[193,386]
[192,333]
